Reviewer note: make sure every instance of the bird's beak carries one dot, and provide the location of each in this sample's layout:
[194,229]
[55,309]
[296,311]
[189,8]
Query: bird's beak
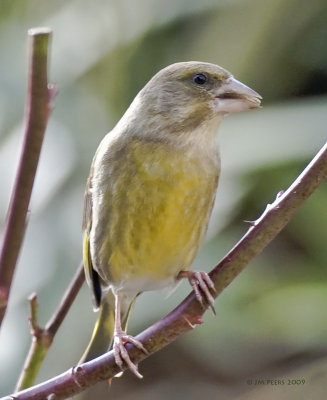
[234,96]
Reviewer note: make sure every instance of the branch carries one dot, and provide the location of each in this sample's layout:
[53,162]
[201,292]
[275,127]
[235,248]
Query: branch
[43,338]
[275,217]
[37,113]
[189,312]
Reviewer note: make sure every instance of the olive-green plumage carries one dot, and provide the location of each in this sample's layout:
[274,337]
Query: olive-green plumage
[151,190]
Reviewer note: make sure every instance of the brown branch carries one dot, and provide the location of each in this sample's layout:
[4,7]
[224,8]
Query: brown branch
[189,312]
[67,300]
[37,112]
[42,338]
[272,221]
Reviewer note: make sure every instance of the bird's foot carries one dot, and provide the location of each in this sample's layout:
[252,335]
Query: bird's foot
[121,354]
[201,284]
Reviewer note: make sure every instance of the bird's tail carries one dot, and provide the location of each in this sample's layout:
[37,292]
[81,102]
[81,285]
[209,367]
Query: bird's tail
[103,332]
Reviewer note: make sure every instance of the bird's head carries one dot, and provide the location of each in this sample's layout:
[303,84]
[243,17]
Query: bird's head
[197,91]
[182,96]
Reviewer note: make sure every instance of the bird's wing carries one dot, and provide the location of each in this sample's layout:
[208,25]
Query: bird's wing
[87,213]
[92,277]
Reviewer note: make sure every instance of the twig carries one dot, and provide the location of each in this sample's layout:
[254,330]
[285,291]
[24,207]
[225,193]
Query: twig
[40,343]
[37,112]
[272,221]
[43,338]
[189,312]
[34,305]
[67,300]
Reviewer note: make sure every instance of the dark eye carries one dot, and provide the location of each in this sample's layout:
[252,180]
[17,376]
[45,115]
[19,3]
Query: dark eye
[199,79]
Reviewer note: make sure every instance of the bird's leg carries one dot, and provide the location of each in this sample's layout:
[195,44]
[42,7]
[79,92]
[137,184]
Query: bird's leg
[201,284]
[120,338]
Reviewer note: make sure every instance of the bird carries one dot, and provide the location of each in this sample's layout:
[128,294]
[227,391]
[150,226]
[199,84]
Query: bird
[150,193]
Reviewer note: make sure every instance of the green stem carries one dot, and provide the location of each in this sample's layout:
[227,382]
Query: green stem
[41,342]
[43,338]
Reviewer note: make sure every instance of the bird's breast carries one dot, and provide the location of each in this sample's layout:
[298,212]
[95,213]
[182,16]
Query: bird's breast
[155,204]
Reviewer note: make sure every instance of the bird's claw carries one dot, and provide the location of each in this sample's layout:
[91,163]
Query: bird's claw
[201,284]
[121,354]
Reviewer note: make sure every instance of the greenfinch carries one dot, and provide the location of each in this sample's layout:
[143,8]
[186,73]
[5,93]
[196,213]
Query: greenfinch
[150,194]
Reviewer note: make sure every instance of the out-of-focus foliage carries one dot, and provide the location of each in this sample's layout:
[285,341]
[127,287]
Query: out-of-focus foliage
[272,321]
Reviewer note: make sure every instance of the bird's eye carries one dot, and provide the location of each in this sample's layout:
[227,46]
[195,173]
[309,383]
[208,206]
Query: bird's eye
[199,79]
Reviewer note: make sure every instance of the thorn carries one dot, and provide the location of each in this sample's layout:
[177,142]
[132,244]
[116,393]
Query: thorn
[252,223]
[52,91]
[76,371]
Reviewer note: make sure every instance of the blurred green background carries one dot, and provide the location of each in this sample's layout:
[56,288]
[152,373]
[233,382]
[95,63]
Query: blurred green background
[271,322]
